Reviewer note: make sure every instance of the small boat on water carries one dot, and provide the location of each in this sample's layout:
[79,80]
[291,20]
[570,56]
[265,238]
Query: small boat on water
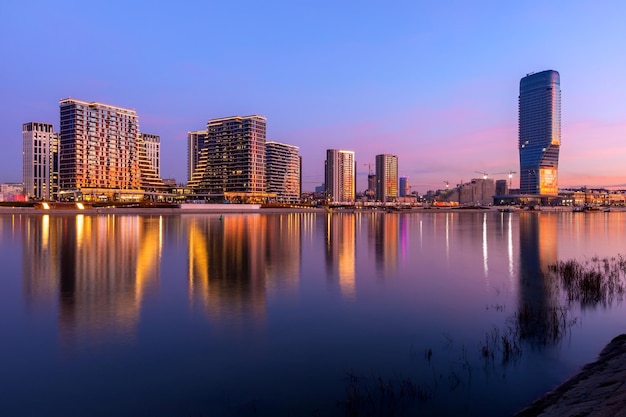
[506,209]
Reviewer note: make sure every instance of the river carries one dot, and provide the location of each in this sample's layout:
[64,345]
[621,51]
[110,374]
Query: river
[296,314]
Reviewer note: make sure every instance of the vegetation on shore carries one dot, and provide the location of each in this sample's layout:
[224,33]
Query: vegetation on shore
[588,284]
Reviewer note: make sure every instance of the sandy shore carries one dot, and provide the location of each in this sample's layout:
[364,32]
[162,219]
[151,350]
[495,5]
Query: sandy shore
[598,390]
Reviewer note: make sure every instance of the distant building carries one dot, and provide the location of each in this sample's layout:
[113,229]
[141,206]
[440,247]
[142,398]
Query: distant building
[12,192]
[232,163]
[477,192]
[169,182]
[152,144]
[404,188]
[340,176]
[502,187]
[149,161]
[386,177]
[196,142]
[539,132]
[40,161]
[370,193]
[283,171]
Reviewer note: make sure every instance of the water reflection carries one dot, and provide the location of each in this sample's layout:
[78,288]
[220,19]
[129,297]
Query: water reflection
[539,315]
[97,268]
[227,265]
[384,235]
[340,251]
[292,280]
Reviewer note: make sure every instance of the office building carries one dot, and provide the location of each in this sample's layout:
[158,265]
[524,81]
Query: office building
[40,161]
[386,178]
[98,151]
[539,132]
[404,187]
[340,176]
[196,142]
[283,172]
[232,164]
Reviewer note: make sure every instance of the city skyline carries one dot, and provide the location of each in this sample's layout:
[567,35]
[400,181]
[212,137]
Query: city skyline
[371,79]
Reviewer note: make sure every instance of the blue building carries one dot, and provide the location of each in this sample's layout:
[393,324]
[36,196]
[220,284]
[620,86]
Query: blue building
[539,132]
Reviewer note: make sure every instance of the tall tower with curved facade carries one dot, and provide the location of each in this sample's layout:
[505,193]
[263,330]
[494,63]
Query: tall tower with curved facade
[539,132]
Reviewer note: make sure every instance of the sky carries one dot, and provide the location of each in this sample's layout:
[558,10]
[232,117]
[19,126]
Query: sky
[434,82]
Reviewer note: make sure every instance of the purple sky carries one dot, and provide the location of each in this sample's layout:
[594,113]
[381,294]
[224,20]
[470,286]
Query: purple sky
[435,83]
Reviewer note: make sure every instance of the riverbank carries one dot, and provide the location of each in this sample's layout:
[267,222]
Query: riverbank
[598,390]
[232,209]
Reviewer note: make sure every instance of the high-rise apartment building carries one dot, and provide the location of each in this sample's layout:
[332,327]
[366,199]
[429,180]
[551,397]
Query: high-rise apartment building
[539,132]
[232,163]
[148,149]
[98,147]
[283,171]
[386,178]
[40,161]
[196,142]
[340,176]
[152,144]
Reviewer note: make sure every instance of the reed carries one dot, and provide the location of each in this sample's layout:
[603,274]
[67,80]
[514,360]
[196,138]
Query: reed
[598,282]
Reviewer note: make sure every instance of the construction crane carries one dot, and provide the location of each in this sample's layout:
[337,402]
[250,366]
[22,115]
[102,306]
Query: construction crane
[485,175]
[447,183]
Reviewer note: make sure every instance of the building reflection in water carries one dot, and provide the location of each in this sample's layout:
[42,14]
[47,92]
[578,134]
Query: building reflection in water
[538,299]
[283,251]
[99,267]
[40,270]
[227,259]
[383,230]
[340,251]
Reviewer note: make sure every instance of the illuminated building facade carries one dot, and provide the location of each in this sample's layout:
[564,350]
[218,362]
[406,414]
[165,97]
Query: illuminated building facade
[152,144]
[386,177]
[340,176]
[196,142]
[232,163]
[148,150]
[539,132]
[283,171]
[40,161]
[98,147]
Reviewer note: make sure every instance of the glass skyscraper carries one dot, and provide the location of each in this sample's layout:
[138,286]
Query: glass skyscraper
[539,132]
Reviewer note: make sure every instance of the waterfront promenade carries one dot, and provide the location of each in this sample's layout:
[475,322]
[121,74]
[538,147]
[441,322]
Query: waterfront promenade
[232,209]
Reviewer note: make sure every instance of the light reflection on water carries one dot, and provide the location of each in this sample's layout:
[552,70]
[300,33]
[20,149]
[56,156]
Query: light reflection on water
[267,314]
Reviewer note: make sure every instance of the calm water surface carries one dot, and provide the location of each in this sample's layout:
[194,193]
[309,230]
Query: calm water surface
[292,314]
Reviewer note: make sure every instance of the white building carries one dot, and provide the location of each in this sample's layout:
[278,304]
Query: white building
[40,161]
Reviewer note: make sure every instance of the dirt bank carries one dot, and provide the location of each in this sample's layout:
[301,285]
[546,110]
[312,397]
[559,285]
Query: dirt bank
[598,390]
